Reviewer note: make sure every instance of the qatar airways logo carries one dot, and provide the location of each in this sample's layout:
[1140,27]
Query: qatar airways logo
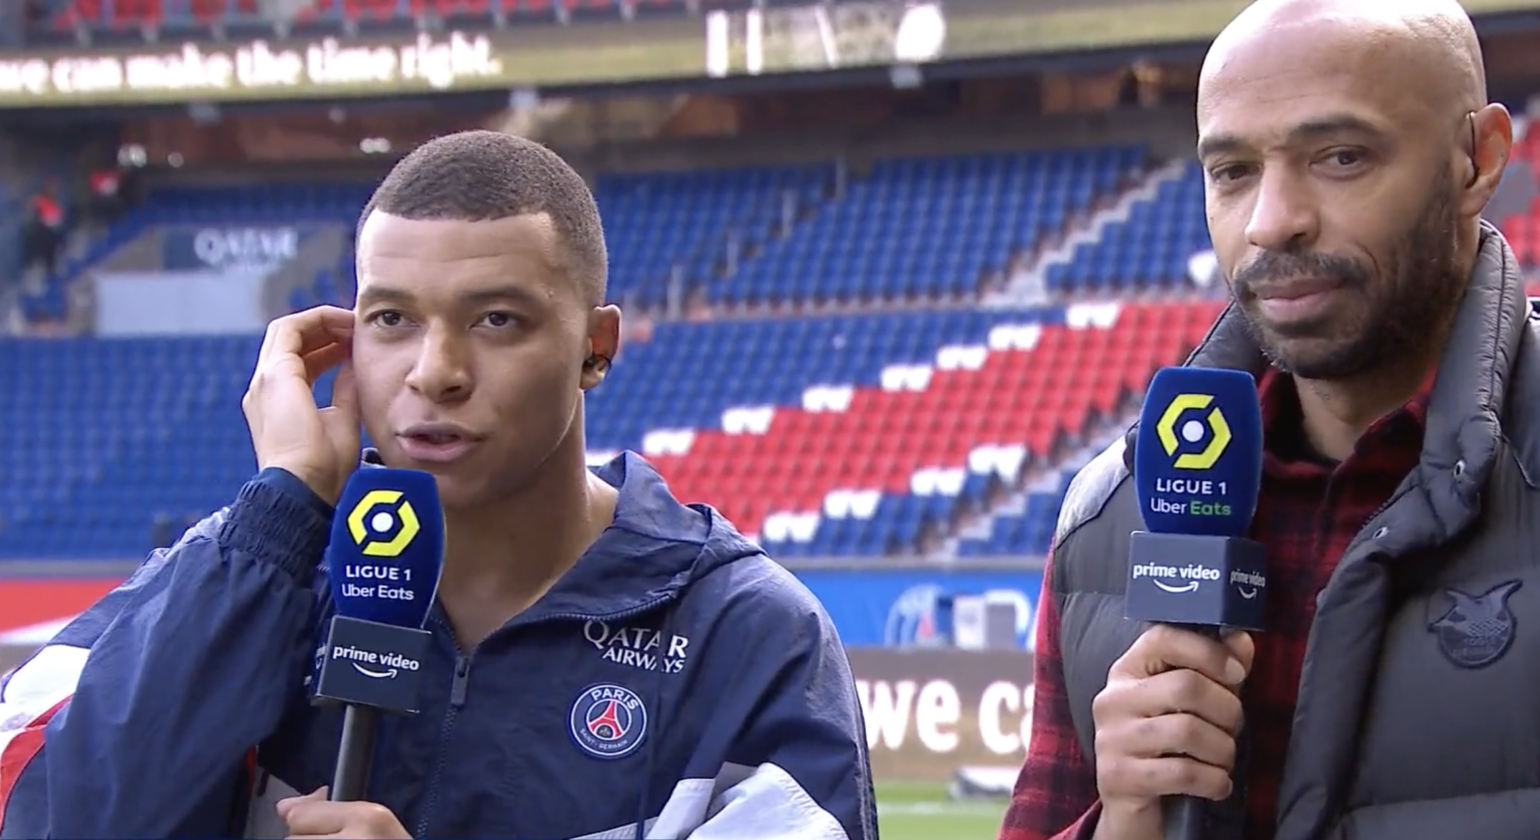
[1191,576]
[638,647]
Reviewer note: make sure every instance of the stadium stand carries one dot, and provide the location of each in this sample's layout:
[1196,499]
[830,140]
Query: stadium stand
[655,224]
[101,440]
[660,223]
[909,413]
[335,205]
[931,227]
[825,435]
[921,410]
[915,228]
[1523,228]
[12,212]
[1149,248]
[834,434]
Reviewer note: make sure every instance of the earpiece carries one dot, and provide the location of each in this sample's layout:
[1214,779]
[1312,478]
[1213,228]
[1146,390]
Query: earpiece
[598,362]
[1475,165]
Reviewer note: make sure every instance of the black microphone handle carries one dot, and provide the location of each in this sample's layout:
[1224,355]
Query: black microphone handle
[355,753]
[1185,815]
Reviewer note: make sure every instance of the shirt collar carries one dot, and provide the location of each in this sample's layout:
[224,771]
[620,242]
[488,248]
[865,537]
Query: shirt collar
[1285,448]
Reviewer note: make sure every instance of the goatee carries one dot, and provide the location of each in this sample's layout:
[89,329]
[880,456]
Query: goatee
[1403,305]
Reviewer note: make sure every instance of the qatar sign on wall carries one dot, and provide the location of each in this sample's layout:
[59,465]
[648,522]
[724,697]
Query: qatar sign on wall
[231,249]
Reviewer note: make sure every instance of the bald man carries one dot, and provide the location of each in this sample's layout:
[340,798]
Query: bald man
[1348,149]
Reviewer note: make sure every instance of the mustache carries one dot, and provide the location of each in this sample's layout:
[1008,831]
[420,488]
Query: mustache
[1275,268]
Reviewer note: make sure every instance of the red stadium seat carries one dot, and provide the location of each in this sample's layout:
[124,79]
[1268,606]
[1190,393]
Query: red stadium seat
[449,8]
[80,12]
[209,11]
[127,13]
[377,10]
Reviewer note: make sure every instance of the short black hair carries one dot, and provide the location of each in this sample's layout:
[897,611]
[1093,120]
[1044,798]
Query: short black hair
[475,176]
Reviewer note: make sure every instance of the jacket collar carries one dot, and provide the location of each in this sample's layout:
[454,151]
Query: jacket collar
[1470,400]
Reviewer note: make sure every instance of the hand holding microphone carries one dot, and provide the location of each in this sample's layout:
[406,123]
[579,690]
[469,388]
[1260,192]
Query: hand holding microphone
[316,816]
[1166,724]
[288,430]
[1167,720]
[383,564]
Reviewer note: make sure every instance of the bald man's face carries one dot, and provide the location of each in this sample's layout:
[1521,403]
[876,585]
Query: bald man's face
[1330,195]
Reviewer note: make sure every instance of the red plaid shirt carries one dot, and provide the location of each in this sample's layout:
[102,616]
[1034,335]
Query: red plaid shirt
[1308,512]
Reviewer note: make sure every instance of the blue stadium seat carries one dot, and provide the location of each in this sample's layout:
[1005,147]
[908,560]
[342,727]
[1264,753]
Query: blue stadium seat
[655,222]
[1149,249]
[930,226]
[1029,533]
[106,436]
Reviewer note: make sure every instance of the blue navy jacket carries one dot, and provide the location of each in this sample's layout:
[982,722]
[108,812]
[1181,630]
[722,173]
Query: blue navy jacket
[675,683]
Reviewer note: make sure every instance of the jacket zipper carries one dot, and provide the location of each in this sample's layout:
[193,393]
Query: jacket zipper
[1384,506]
[456,701]
[458,688]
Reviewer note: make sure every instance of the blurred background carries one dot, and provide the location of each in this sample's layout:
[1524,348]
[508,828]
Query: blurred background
[892,271]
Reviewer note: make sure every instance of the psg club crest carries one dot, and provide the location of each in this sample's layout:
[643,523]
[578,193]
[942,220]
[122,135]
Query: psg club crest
[608,721]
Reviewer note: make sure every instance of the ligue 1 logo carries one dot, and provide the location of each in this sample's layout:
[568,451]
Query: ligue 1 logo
[1195,430]
[387,547]
[1198,454]
[383,523]
[608,721]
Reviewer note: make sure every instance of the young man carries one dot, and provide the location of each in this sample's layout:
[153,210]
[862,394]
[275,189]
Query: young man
[1349,150]
[479,324]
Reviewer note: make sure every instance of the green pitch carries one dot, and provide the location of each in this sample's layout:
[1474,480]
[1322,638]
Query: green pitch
[910,811]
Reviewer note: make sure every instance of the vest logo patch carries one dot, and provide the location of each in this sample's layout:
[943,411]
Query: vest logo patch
[1476,630]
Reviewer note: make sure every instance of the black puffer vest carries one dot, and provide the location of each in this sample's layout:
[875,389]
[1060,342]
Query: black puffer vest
[1418,713]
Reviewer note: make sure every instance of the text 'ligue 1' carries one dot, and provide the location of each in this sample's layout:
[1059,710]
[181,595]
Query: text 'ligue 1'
[386,575]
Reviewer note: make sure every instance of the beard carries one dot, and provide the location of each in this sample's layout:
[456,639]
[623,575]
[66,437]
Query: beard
[1389,310]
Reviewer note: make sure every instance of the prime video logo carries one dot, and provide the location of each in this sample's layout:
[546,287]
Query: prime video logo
[1193,575]
[1248,583]
[376,665]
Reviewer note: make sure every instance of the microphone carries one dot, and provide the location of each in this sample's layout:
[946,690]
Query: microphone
[384,559]
[1197,473]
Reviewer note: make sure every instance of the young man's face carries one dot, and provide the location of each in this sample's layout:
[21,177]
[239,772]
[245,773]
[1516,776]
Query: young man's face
[469,350]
